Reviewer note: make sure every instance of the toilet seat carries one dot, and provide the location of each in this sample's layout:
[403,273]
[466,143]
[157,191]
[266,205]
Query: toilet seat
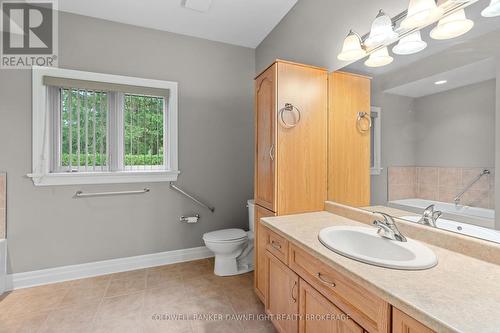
[225,235]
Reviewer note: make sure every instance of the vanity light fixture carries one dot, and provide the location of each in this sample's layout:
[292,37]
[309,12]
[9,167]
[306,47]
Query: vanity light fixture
[492,10]
[451,26]
[410,44]
[420,13]
[379,58]
[440,82]
[353,48]
[382,31]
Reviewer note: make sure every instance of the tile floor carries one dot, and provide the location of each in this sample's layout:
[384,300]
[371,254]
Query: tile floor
[127,302]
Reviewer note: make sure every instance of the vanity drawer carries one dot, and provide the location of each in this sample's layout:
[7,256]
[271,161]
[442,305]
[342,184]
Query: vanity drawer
[277,245]
[369,311]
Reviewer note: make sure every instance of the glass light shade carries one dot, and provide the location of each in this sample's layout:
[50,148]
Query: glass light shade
[382,31]
[420,13]
[492,10]
[352,48]
[410,44]
[452,26]
[379,58]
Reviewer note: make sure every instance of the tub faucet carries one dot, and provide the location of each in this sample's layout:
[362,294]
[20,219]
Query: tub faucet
[388,228]
[430,216]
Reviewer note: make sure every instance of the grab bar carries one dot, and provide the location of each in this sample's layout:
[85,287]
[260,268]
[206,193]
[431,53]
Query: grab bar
[80,194]
[458,198]
[187,195]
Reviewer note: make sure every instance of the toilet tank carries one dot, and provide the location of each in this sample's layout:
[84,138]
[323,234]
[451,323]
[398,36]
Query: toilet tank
[251,212]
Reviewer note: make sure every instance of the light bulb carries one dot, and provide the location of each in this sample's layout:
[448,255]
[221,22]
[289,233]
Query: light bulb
[379,58]
[492,10]
[420,13]
[382,31]
[410,44]
[352,48]
[451,26]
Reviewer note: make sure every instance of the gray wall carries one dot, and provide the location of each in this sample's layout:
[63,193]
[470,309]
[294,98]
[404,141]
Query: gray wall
[457,127]
[48,228]
[314,30]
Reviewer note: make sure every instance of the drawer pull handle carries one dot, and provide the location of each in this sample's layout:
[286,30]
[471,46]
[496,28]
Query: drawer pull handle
[294,298]
[276,245]
[329,283]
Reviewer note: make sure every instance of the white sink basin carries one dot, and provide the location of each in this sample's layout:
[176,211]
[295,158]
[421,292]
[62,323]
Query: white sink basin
[364,244]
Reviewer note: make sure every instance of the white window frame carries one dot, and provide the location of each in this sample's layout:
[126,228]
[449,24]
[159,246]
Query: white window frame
[376,170]
[42,129]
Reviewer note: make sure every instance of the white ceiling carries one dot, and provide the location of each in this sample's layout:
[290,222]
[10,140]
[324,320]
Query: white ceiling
[458,77]
[238,22]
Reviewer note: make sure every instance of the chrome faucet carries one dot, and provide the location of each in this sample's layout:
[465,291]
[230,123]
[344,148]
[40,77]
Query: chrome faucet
[388,228]
[430,216]
[458,198]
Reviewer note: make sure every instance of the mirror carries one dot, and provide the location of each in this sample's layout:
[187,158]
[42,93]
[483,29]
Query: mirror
[433,132]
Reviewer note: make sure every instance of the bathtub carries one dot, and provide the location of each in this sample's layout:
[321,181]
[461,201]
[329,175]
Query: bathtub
[481,217]
[3,264]
[462,228]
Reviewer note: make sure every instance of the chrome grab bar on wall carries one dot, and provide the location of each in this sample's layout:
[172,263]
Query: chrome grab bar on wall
[80,194]
[187,195]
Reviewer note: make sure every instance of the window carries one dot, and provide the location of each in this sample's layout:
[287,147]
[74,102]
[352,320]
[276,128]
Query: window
[375,156]
[91,128]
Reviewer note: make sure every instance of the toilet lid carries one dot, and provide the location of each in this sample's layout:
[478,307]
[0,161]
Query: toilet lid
[225,235]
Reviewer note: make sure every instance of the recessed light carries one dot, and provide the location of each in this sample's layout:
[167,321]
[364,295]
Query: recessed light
[198,5]
[438,83]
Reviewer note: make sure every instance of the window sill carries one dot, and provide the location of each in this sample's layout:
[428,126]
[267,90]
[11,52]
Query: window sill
[56,179]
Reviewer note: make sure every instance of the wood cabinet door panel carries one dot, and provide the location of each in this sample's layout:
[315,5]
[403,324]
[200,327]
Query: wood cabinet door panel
[402,323]
[363,306]
[282,295]
[348,147]
[302,150]
[265,139]
[318,314]
[261,240]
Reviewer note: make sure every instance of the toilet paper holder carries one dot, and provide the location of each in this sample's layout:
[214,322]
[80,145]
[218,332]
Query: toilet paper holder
[190,219]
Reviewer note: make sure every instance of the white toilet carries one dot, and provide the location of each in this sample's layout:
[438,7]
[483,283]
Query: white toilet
[233,248]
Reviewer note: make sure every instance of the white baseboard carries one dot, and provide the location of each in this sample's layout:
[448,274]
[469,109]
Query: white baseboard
[73,272]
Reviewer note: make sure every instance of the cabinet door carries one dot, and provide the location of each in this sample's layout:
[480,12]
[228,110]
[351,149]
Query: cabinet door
[265,134]
[318,314]
[348,145]
[260,272]
[302,150]
[402,323]
[282,295]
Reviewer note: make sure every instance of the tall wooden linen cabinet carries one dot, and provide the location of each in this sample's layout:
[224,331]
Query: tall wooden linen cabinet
[291,131]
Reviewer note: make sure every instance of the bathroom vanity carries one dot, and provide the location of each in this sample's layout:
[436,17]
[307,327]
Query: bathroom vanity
[305,280]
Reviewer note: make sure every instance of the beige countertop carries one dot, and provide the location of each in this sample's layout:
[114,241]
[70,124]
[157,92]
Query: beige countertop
[460,294]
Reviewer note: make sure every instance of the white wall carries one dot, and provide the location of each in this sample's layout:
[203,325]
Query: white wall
[46,227]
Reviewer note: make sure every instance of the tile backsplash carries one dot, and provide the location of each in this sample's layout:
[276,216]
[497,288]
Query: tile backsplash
[442,184]
[3,208]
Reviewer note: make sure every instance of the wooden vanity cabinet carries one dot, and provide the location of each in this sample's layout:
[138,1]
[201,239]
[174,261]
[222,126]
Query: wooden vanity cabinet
[290,161]
[318,314]
[261,241]
[402,323]
[282,299]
